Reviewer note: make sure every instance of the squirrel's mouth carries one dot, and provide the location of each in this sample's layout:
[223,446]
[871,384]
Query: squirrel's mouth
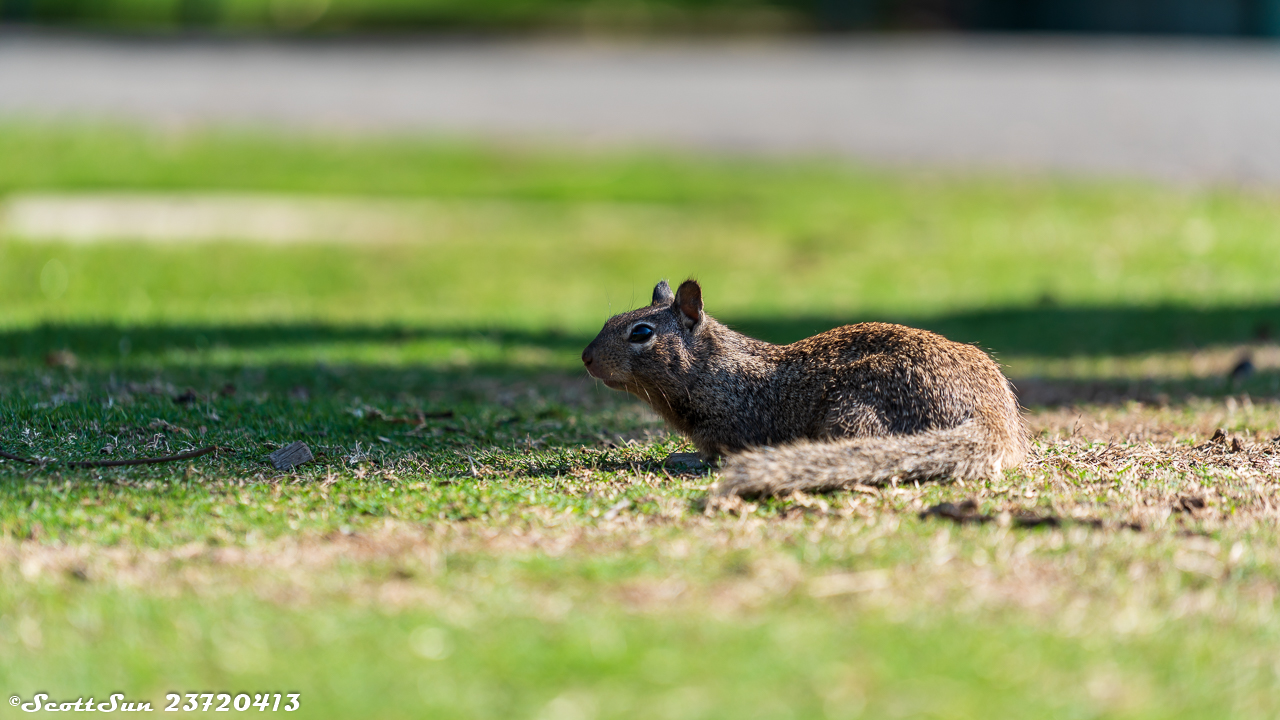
[603,377]
[609,382]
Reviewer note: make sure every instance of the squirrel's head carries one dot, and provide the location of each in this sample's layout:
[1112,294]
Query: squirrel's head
[637,348]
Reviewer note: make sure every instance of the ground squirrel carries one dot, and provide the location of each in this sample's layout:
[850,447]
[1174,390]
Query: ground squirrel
[861,404]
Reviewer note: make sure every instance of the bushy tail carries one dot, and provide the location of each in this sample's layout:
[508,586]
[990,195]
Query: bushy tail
[967,452]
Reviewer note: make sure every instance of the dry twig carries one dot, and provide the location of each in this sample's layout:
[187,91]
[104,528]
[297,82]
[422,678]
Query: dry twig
[113,463]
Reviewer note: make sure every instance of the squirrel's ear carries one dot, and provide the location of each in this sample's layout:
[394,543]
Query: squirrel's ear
[662,294]
[688,304]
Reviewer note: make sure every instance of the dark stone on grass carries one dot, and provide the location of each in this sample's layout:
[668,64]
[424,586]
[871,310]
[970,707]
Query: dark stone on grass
[685,462]
[963,513]
[291,456]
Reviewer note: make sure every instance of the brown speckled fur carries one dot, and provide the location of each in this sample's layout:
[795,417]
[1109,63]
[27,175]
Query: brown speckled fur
[861,404]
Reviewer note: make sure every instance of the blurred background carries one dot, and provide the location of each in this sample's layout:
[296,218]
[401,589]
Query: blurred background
[387,228]
[1085,188]
[1197,17]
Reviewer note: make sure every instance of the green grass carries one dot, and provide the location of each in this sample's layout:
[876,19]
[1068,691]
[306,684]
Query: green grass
[556,239]
[521,552]
[806,659]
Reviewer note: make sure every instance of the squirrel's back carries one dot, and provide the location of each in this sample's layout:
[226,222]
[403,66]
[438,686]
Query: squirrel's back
[862,403]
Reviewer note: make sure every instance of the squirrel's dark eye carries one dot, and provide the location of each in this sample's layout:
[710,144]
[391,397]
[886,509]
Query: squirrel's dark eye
[640,333]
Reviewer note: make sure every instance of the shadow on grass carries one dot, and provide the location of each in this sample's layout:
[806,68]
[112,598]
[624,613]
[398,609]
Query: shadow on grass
[106,342]
[1063,331]
[1037,331]
[1041,331]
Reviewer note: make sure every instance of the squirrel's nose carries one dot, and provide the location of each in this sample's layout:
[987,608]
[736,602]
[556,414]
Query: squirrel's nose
[588,357]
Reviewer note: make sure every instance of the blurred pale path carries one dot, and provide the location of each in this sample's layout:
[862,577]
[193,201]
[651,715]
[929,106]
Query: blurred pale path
[1171,110]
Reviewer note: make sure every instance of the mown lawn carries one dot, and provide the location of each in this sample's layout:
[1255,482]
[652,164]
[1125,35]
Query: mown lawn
[485,533]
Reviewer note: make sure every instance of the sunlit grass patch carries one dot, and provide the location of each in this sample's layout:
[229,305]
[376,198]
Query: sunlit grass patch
[536,238]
